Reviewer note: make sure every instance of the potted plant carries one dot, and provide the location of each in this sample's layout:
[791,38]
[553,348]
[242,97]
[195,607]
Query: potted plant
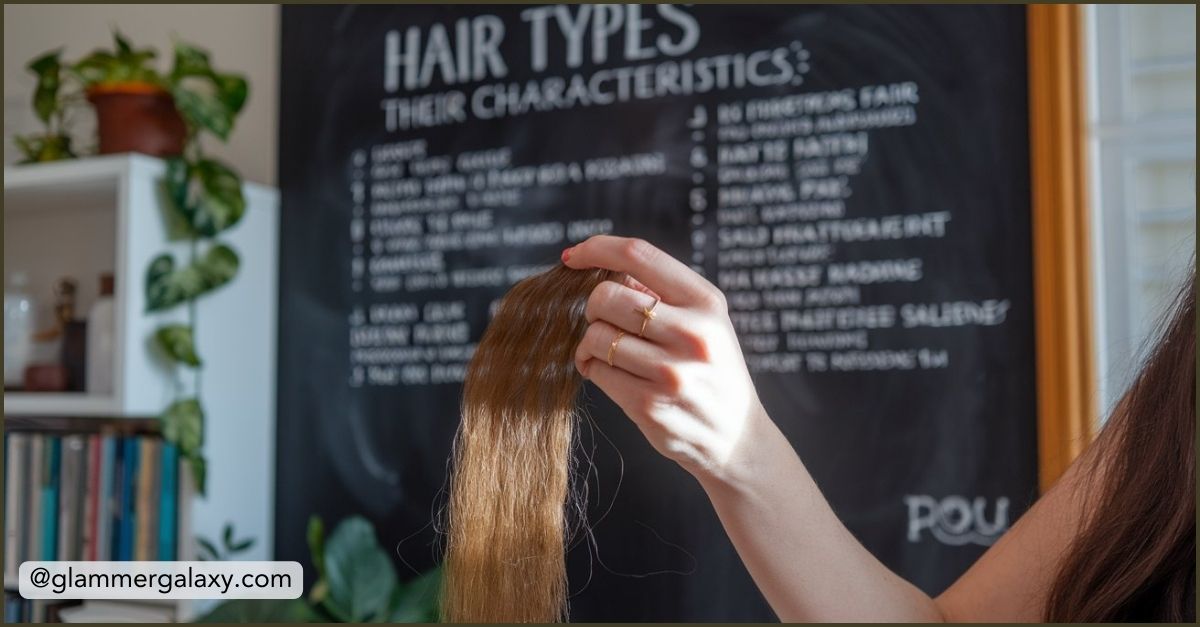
[138,108]
[141,109]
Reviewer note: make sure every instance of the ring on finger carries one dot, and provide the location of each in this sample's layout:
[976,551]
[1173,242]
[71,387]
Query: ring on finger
[612,348]
[647,315]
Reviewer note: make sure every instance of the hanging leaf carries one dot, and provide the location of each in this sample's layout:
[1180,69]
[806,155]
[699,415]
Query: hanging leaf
[232,90]
[220,203]
[199,471]
[204,111]
[183,425]
[206,194]
[174,189]
[218,267]
[161,290]
[167,286]
[176,341]
[48,69]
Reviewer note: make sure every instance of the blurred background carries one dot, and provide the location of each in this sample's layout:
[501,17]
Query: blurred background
[190,238]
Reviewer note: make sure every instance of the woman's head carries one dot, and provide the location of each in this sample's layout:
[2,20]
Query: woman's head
[1135,558]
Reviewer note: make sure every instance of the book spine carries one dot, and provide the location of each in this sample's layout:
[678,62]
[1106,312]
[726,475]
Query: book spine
[128,511]
[108,471]
[50,486]
[14,505]
[145,481]
[68,503]
[92,498]
[168,502]
[33,490]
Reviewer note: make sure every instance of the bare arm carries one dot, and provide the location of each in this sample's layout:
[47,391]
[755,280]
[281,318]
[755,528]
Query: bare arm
[685,384]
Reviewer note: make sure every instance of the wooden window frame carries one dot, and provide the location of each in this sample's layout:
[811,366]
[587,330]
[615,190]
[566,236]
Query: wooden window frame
[1066,395]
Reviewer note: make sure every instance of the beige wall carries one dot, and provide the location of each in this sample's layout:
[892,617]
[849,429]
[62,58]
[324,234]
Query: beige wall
[241,38]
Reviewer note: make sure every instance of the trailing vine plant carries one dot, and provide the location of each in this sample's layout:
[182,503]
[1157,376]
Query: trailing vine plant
[203,197]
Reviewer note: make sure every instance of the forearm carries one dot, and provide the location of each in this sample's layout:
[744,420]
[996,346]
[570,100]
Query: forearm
[806,563]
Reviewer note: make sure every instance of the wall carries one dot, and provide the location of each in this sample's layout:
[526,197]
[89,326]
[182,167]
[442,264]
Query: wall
[241,38]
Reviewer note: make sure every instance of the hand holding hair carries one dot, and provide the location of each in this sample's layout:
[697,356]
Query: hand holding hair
[660,344]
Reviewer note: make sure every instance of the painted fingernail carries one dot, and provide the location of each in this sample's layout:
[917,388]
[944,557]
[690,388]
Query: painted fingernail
[566,253]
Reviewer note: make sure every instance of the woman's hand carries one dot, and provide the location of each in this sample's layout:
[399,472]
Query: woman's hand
[684,382]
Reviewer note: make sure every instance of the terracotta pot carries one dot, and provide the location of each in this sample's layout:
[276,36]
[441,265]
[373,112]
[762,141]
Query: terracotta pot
[137,117]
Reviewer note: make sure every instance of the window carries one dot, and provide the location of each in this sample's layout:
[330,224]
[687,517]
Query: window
[1142,119]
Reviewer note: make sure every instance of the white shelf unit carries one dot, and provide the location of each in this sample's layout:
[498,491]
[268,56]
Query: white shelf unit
[83,217]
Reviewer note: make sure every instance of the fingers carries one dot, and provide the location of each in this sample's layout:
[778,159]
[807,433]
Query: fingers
[658,271]
[627,308]
[630,353]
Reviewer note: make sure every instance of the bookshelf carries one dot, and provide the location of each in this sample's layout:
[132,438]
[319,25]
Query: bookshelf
[83,217]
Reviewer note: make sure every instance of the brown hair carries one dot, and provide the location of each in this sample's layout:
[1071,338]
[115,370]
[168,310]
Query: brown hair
[1135,557]
[506,518]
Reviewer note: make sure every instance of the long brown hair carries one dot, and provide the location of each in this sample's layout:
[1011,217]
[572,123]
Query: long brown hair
[1135,557]
[506,521]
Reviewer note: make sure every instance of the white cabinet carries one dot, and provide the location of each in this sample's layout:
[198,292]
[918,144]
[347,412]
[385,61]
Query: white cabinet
[85,217]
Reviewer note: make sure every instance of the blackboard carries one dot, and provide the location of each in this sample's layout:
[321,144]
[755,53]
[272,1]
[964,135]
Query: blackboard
[856,178]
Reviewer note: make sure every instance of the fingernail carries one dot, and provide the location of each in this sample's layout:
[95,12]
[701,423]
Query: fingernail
[566,253]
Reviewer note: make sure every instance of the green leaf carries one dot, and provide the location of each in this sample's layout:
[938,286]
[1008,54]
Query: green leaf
[218,267]
[47,68]
[205,111]
[232,90]
[98,67]
[220,203]
[261,611]
[190,61]
[207,547]
[176,342]
[316,543]
[417,600]
[199,471]
[123,47]
[360,574]
[163,290]
[167,287]
[174,190]
[227,534]
[183,425]
[43,148]
[244,545]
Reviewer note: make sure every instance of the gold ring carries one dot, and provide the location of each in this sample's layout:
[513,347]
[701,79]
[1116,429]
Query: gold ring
[648,315]
[612,348]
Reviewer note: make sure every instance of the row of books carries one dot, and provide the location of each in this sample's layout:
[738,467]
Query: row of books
[89,497]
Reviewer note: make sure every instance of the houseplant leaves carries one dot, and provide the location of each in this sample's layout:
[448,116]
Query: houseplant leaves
[206,99]
[183,424]
[355,583]
[167,286]
[360,574]
[47,68]
[207,194]
[176,342]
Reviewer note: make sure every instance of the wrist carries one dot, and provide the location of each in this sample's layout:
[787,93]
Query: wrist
[750,460]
